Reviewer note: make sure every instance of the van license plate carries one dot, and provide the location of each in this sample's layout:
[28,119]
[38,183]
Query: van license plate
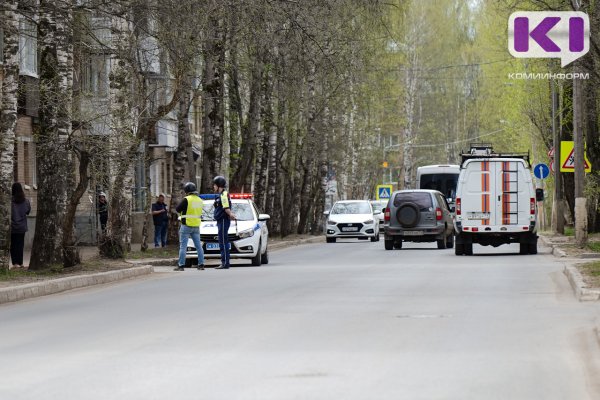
[412,233]
[350,229]
[478,215]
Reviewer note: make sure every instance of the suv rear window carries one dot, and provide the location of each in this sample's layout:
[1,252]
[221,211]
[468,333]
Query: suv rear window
[421,199]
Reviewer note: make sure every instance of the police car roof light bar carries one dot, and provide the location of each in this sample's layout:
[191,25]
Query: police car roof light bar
[241,195]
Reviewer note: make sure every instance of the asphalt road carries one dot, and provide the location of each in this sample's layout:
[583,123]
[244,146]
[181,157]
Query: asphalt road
[327,321]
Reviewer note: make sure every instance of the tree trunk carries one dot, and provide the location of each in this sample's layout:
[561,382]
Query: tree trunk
[8,121]
[180,162]
[265,138]
[71,255]
[212,101]
[240,180]
[310,143]
[53,159]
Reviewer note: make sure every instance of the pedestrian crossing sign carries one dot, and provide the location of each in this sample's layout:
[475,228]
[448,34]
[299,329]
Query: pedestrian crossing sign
[567,158]
[384,192]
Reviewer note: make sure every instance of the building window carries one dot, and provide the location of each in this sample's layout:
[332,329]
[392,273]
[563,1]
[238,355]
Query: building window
[94,75]
[101,34]
[1,45]
[168,189]
[28,48]
[162,176]
[26,162]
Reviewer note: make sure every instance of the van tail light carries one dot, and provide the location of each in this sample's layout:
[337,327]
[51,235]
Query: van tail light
[532,206]
[438,214]
[457,206]
[386,216]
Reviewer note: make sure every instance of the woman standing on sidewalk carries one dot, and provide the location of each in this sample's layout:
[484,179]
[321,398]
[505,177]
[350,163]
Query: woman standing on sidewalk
[18,224]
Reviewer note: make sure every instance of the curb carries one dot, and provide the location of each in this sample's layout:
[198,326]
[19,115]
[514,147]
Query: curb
[556,251]
[292,243]
[577,283]
[582,293]
[162,262]
[31,290]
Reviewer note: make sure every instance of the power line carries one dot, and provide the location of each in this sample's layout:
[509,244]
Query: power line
[447,143]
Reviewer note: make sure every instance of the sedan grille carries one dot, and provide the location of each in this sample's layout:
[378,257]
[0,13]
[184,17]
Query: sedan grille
[349,227]
[215,238]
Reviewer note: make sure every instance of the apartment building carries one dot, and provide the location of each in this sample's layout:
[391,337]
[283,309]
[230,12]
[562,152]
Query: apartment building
[93,62]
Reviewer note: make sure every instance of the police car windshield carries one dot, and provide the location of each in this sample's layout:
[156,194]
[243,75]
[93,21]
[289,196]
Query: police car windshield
[242,211]
[351,208]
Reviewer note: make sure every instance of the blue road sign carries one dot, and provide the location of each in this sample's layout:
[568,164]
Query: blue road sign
[541,171]
[384,191]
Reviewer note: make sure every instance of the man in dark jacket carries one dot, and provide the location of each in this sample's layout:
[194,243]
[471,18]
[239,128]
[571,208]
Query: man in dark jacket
[103,211]
[160,215]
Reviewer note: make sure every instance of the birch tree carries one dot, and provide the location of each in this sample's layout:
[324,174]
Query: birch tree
[9,23]
[53,158]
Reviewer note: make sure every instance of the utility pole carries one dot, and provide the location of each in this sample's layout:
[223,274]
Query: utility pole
[558,218]
[580,200]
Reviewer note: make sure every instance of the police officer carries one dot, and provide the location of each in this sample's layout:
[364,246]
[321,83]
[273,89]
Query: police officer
[190,209]
[223,215]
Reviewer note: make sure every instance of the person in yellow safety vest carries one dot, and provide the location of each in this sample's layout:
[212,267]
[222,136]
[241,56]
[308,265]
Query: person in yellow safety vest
[190,210]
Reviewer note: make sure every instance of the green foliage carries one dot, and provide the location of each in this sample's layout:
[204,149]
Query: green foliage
[594,246]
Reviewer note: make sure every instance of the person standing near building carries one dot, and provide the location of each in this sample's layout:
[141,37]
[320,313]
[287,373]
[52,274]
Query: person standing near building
[102,211]
[160,215]
[21,207]
[223,215]
[190,210]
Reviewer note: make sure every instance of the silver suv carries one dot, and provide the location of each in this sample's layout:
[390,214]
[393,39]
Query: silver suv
[418,216]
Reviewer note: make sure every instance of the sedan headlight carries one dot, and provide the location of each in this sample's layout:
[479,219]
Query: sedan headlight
[246,234]
[369,222]
[331,222]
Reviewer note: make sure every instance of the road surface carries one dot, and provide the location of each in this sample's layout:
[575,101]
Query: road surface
[328,321]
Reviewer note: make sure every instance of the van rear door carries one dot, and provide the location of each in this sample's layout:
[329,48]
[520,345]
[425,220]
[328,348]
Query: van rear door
[496,193]
[477,193]
[512,192]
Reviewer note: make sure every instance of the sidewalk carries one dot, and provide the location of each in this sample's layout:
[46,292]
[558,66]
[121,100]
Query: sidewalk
[564,248]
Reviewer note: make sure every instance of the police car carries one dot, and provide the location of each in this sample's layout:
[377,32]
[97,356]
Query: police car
[248,235]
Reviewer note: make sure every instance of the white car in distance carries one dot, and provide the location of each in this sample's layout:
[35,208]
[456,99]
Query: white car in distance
[380,205]
[352,219]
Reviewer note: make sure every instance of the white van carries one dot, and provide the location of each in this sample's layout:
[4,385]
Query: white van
[495,204]
[442,178]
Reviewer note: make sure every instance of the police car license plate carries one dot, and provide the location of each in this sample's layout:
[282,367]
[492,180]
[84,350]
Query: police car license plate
[350,229]
[412,233]
[215,246]
[478,215]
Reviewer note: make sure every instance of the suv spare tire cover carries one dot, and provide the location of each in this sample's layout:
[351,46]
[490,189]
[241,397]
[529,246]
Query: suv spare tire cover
[408,215]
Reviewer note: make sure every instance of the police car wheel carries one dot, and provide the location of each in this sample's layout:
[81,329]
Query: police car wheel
[256,260]
[264,258]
